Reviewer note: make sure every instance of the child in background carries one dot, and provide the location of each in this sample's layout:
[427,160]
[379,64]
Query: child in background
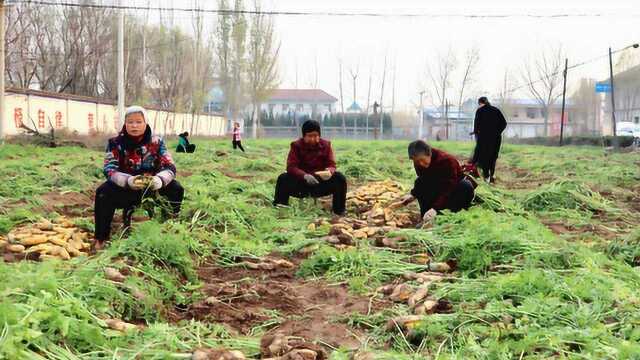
[237,139]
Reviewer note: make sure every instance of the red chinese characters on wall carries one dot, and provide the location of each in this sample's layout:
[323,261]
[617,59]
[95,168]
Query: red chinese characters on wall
[41,118]
[90,120]
[17,117]
[58,119]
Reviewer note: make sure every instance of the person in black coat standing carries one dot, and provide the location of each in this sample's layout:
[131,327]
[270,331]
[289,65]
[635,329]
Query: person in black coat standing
[488,126]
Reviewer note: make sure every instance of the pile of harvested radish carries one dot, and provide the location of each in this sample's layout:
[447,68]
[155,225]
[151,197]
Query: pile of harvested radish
[48,240]
[375,219]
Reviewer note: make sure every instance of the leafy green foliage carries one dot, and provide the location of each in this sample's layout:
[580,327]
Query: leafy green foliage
[519,291]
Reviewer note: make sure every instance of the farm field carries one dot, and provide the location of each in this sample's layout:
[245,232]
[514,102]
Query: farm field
[546,264]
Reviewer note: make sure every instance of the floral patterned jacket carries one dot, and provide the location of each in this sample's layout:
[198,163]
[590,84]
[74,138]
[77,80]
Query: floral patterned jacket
[125,158]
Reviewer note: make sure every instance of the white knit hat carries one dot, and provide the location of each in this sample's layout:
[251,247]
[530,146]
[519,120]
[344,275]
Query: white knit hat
[136,109]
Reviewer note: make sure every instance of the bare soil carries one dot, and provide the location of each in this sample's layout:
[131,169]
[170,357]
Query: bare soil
[70,204]
[243,299]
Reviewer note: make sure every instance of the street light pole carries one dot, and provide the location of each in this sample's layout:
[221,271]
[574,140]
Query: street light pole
[613,100]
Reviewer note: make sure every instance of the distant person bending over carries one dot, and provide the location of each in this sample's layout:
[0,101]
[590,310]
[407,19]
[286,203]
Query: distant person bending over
[441,184]
[488,126]
[311,171]
[237,138]
[184,145]
[136,164]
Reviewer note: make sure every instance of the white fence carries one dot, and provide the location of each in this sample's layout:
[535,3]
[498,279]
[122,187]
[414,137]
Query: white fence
[43,111]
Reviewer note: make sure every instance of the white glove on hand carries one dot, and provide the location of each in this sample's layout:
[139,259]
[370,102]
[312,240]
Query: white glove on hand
[311,180]
[429,216]
[131,182]
[157,183]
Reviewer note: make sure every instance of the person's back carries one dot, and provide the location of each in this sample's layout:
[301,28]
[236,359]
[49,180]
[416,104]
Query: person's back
[491,122]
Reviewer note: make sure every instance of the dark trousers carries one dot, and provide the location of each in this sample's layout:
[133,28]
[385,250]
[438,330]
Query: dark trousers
[489,169]
[288,185]
[190,148]
[487,161]
[110,197]
[459,199]
[237,144]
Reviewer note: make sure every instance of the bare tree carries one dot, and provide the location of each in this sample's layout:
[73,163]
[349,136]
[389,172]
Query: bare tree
[441,75]
[313,78]
[393,89]
[263,62]
[587,107]
[505,94]
[543,78]
[472,58]
[368,101]
[239,62]
[344,123]
[354,78]
[224,54]
[20,63]
[384,77]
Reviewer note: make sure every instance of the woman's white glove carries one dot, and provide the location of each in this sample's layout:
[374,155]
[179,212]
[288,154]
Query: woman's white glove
[311,180]
[131,182]
[156,184]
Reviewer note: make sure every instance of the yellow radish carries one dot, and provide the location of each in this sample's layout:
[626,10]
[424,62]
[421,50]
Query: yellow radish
[44,225]
[16,248]
[34,240]
[43,249]
[57,240]
[63,254]
[73,251]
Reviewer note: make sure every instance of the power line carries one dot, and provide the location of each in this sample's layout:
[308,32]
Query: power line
[322,13]
[586,62]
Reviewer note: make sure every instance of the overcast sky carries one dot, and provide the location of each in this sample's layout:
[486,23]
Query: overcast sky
[412,42]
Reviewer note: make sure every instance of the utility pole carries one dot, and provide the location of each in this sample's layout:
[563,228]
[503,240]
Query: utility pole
[121,94]
[421,120]
[613,100]
[564,98]
[3,110]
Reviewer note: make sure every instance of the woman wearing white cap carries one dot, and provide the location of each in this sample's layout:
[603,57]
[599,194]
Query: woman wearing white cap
[136,163]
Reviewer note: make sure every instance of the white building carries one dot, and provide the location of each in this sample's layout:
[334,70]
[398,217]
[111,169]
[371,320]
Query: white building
[299,102]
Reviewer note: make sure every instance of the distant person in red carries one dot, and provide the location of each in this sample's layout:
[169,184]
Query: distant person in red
[488,126]
[311,171]
[237,138]
[441,184]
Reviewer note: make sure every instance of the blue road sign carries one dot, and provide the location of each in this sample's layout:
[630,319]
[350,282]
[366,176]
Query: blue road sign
[603,87]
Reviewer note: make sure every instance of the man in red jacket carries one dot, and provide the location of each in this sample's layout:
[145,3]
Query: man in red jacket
[311,171]
[440,185]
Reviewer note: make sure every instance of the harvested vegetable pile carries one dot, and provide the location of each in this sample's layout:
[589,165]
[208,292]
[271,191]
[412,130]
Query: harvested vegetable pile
[374,220]
[378,193]
[47,240]
[566,194]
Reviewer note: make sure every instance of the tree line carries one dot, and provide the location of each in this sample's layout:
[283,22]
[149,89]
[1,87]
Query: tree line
[73,50]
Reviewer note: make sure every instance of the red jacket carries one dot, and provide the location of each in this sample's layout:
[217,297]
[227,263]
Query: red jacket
[442,177]
[305,159]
